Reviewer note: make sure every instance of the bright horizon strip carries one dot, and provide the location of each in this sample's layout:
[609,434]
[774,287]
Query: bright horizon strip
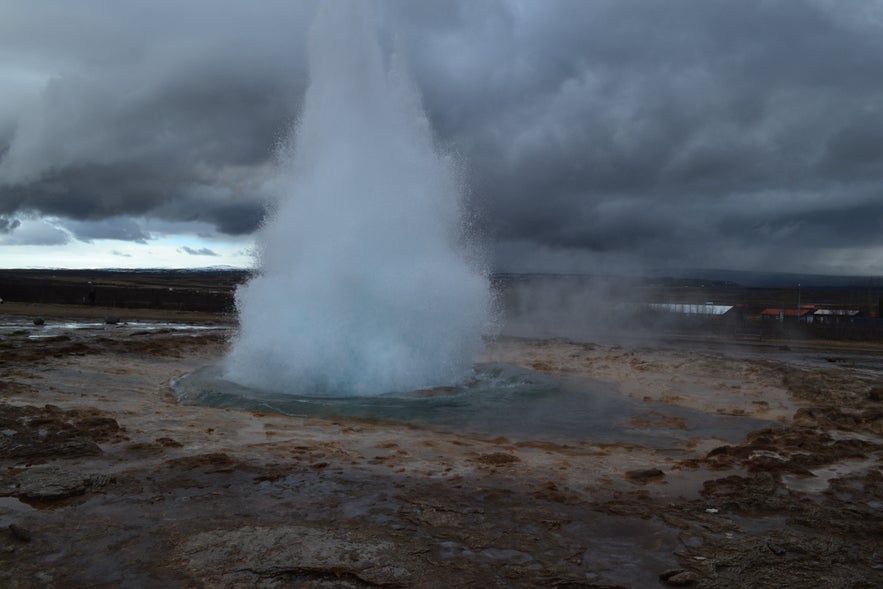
[165,252]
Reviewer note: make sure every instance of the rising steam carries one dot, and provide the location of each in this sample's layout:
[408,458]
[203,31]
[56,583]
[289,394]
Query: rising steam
[366,284]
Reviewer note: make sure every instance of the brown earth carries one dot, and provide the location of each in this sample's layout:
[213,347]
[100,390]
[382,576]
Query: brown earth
[107,481]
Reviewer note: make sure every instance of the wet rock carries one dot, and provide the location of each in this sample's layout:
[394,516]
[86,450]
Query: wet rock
[497,459]
[37,433]
[551,492]
[212,462]
[801,447]
[143,449]
[48,483]
[756,488]
[644,476]
[296,556]
[167,442]
[111,320]
[684,579]
[875,394]
[679,578]
[39,321]
[26,447]
[19,533]
[98,428]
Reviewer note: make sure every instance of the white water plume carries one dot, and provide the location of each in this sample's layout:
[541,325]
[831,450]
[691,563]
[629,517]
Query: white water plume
[367,283]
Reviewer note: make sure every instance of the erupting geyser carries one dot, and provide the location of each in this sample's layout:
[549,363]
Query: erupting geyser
[367,283]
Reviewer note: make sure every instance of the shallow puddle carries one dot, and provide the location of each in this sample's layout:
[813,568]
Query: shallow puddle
[821,477]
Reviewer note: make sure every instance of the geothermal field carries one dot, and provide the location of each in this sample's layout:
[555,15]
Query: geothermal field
[374,408]
[593,465]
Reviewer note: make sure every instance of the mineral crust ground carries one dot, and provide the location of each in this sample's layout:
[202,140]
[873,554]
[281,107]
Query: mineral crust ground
[106,480]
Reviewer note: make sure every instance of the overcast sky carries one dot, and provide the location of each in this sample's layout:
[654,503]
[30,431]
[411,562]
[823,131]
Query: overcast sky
[594,135]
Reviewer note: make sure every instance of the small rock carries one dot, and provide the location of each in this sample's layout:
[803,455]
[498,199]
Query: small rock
[20,533]
[169,442]
[679,577]
[38,321]
[777,550]
[684,579]
[645,475]
[498,459]
[111,320]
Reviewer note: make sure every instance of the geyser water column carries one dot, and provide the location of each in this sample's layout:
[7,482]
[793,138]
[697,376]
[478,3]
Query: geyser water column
[367,283]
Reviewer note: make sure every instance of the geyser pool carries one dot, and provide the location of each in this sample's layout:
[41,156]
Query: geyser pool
[368,282]
[496,400]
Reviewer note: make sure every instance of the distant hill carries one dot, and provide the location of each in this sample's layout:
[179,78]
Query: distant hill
[777,279]
[703,277]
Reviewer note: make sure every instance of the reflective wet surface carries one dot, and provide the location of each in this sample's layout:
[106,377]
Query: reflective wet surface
[533,473]
[499,400]
[54,328]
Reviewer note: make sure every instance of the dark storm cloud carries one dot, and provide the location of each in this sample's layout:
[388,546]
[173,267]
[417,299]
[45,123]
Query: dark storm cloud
[33,232]
[8,225]
[203,251]
[699,132]
[148,106]
[632,125]
[118,228]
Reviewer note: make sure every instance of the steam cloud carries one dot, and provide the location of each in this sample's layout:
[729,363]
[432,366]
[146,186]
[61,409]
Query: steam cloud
[366,284]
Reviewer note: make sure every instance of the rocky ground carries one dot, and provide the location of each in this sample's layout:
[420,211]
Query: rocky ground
[107,481]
